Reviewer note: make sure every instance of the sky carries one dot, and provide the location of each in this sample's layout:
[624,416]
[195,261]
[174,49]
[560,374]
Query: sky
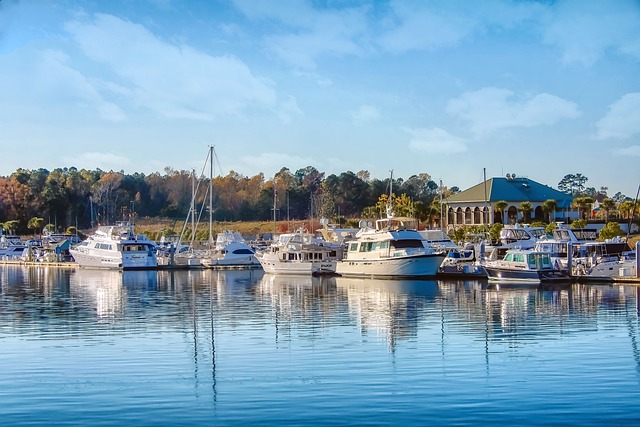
[539,89]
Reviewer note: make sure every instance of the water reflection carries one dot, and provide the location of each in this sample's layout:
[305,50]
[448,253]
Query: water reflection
[242,341]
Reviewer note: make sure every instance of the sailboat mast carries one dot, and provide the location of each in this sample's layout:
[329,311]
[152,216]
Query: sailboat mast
[193,205]
[485,214]
[211,195]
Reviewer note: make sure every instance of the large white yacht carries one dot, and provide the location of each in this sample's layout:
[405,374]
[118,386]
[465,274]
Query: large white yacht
[393,249]
[115,247]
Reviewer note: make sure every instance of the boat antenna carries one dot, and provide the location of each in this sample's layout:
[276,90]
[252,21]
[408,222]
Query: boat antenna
[389,202]
[633,210]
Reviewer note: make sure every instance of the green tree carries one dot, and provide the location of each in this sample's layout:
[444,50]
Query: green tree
[499,207]
[607,206]
[525,208]
[583,204]
[626,208]
[549,207]
[35,223]
[610,230]
[10,226]
[572,184]
[579,223]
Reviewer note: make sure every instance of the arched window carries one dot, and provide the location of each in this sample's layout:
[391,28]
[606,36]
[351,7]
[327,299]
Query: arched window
[512,215]
[477,216]
[467,216]
[459,216]
[538,214]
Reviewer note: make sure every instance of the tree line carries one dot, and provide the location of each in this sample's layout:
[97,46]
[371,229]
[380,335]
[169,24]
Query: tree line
[81,198]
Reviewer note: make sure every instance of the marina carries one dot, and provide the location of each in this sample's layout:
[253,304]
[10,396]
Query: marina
[200,346]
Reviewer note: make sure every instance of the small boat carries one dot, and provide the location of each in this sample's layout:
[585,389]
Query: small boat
[525,266]
[231,251]
[300,252]
[115,247]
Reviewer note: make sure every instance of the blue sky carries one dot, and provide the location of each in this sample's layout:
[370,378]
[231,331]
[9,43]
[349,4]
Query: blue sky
[536,88]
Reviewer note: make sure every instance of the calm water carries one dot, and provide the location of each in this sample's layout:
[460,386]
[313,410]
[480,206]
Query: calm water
[206,347]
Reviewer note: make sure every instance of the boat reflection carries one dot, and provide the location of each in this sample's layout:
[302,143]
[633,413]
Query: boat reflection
[390,309]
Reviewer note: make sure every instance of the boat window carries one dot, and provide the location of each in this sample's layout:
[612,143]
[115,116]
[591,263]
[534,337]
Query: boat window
[509,257]
[518,257]
[408,243]
[384,245]
[367,246]
[243,252]
[353,247]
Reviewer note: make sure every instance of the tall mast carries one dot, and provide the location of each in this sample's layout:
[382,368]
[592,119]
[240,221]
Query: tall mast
[211,195]
[485,214]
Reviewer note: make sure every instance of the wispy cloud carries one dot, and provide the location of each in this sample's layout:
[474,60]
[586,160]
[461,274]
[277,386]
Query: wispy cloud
[435,141]
[622,119]
[365,113]
[631,151]
[307,33]
[174,81]
[586,31]
[491,109]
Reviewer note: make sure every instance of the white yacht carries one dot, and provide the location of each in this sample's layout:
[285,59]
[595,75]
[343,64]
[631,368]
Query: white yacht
[586,251]
[393,249]
[300,252]
[231,251]
[115,247]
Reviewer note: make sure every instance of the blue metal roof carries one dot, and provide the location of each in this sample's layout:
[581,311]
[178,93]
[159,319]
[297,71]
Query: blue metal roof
[511,190]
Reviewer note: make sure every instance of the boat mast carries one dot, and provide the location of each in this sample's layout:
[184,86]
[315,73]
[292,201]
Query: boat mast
[211,151]
[485,213]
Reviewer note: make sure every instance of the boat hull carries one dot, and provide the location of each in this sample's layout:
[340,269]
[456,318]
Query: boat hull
[277,266]
[397,267]
[115,260]
[508,275]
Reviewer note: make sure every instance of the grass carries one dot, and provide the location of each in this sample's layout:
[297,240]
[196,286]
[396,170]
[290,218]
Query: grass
[154,228]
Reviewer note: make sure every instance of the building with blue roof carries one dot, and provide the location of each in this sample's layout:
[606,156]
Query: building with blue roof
[467,207]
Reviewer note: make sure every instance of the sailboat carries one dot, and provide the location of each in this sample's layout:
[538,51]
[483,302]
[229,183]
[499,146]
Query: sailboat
[229,249]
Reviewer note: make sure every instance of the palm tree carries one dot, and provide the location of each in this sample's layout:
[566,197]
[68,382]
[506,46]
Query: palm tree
[582,203]
[607,206]
[499,207]
[35,223]
[549,206]
[525,208]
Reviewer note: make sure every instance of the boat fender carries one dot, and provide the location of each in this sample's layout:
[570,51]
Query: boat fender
[459,267]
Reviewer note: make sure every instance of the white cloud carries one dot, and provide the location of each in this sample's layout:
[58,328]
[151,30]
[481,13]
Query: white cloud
[435,141]
[365,113]
[586,31]
[622,119]
[174,81]
[631,151]
[288,109]
[34,79]
[104,161]
[314,33]
[490,109]
[440,24]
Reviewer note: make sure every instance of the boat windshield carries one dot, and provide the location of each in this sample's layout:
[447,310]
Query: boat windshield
[539,261]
